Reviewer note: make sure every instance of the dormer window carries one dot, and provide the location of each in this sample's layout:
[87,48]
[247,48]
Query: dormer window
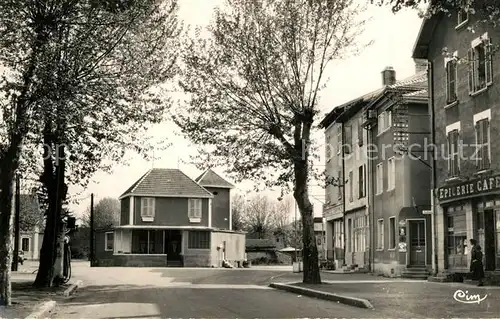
[148,209]
[463,17]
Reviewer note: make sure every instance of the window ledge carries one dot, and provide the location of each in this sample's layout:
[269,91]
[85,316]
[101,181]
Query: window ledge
[147,219]
[453,179]
[482,172]
[108,249]
[462,25]
[476,93]
[379,249]
[391,189]
[194,220]
[452,104]
[378,194]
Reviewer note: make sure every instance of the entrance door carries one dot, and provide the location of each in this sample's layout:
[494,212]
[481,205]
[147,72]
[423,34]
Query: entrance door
[489,240]
[417,242]
[173,242]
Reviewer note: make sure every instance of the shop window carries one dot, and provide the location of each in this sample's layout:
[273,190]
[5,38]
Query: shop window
[456,235]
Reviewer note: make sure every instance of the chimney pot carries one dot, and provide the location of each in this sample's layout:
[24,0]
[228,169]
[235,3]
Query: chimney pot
[388,76]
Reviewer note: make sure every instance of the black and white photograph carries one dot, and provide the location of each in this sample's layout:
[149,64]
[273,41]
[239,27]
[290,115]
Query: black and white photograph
[249,159]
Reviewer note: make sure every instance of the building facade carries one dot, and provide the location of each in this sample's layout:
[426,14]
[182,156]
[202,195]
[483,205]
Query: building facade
[346,194]
[397,121]
[168,219]
[466,116]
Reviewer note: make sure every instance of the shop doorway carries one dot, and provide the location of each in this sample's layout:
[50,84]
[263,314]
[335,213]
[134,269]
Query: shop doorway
[489,239]
[417,243]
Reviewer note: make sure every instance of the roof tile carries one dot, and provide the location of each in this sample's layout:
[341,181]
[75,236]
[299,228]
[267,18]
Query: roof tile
[166,182]
[211,178]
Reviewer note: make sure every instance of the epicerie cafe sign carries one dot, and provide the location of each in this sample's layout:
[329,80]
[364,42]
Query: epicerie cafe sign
[470,188]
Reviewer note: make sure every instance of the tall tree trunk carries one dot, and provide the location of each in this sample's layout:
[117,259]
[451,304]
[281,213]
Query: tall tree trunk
[9,163]
[47,253]
[310,259]
[5,238]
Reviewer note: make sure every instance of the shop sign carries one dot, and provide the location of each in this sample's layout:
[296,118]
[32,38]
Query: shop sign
[470,188]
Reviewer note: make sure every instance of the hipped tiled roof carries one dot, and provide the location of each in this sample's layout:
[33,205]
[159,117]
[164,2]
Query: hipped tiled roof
[209,178]
[166,182]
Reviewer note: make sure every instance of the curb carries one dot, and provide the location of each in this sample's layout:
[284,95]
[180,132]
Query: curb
[43,310]
[351,301]
[72,289]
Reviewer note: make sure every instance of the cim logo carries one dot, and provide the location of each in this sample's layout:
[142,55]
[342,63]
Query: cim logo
[464,297]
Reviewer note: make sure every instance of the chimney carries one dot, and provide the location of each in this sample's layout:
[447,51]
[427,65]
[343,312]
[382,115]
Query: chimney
[388,76]
[420,65]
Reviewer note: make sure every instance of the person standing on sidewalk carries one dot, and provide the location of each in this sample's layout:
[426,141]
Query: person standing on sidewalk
[476,264]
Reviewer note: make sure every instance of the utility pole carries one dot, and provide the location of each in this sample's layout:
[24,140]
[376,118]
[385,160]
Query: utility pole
[16,224]
[92,230]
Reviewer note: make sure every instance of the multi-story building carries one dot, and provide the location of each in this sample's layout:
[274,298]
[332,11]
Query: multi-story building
[399,173]
[364,191]
[169,219]
[465,116]
[346,197]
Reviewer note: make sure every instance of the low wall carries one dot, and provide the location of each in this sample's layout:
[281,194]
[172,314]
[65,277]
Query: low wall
[200,259]
[132,261]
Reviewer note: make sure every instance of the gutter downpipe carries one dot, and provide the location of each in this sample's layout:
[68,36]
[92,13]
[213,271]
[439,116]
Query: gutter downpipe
[371,201]
[342,185]
[430,79]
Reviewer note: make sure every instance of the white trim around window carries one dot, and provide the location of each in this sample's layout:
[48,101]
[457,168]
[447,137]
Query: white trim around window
[148,207]
[380,234]
[393,233]
[477,41]
[106,241]
[391,173]
[380,178]
[452,127]
[194,210]
[486,114]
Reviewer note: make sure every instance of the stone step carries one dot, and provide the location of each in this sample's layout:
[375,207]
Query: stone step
[414,276]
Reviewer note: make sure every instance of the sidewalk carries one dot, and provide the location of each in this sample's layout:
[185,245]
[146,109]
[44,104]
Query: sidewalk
[25,298]
[417,299]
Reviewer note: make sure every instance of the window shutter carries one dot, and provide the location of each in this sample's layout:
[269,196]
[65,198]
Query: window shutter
[360,132]
[448,140]
[364,180]
[488,62]
[478,141]
[459,151]
[486,143]
[470,60]
[448,80]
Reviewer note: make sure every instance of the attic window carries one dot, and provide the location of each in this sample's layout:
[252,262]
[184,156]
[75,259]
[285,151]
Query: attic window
[215,193]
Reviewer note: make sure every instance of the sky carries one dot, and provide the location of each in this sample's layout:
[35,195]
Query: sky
[393,37]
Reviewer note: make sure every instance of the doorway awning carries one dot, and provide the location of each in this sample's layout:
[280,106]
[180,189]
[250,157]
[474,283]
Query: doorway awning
[412,212]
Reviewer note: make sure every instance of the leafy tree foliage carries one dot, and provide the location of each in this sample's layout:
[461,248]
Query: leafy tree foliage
[30,214]
[106,213]
[85,74]
[485,11]
[254,87]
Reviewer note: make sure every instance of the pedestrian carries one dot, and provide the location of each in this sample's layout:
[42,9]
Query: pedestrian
[476,264]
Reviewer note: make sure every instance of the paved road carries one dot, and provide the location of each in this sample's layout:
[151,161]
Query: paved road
[210,293]
[208,301]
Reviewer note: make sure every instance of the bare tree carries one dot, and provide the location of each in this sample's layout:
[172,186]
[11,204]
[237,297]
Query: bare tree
[238,206]
[258,216]
[254,90]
